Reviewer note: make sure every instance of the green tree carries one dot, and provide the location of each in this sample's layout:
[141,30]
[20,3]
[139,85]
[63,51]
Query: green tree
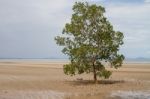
[89,40]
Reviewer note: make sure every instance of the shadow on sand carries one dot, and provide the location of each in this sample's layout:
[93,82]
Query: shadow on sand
[91,82]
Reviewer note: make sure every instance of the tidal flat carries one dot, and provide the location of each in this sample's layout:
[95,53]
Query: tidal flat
[28,79]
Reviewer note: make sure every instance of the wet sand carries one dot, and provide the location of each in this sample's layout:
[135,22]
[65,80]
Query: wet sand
[46,80]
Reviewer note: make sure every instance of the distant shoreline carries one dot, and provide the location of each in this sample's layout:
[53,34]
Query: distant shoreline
[67,60]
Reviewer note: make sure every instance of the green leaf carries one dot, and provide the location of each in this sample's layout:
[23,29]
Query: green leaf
[89,39]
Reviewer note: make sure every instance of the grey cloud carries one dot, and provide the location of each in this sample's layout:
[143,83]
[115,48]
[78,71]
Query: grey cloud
[28,27]
[133,20]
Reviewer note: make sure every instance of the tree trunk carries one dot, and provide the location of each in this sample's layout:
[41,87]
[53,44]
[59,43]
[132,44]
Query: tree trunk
[94,74]
[95,77]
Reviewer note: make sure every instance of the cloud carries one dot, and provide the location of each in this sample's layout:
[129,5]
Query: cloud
[148,52]
[28,27]
[133,21]
[147,1]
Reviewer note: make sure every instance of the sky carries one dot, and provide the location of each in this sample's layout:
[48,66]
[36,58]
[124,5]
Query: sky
[28,27]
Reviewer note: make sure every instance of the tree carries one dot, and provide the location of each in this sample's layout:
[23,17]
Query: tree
[89,40]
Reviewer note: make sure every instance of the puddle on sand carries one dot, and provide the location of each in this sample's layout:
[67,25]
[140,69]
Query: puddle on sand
[131,94]
[31,95]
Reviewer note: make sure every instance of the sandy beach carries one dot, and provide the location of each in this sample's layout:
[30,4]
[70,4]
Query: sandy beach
[21,79]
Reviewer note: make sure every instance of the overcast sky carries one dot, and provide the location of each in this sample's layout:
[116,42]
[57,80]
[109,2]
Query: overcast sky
[28,27]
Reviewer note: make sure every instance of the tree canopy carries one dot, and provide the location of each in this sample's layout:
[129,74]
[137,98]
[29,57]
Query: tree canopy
[89,40]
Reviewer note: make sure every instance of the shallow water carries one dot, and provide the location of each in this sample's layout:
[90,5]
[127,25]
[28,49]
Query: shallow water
[131,94]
